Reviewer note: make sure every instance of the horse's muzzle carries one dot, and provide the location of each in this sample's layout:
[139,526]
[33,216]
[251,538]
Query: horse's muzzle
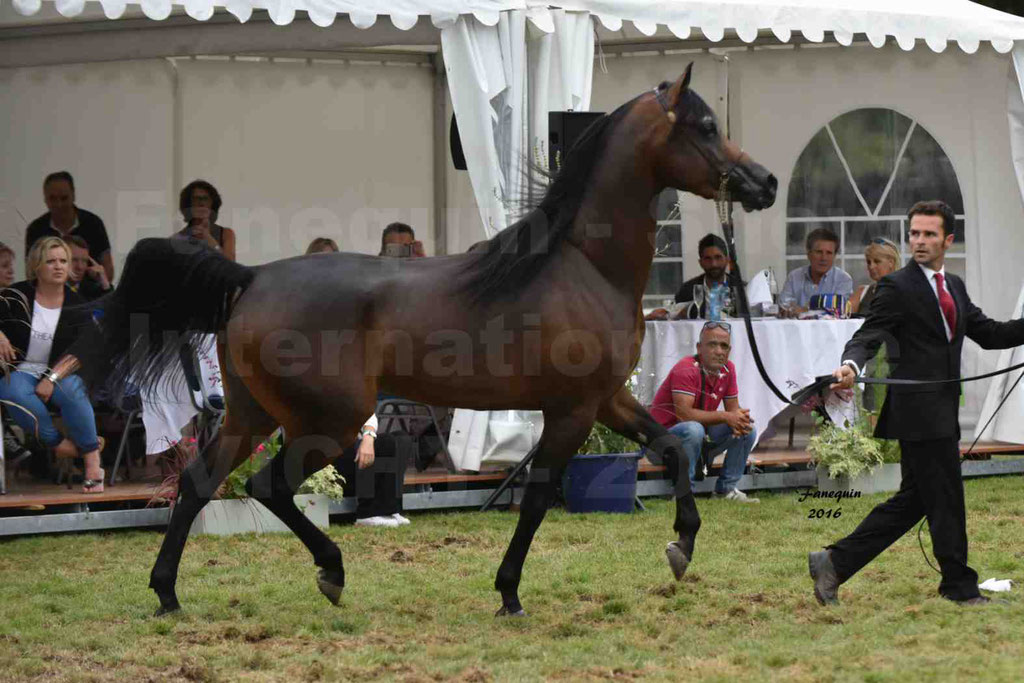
[755,187]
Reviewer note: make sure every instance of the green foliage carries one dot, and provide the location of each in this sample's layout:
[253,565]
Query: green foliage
[603,440]
[845,450]
[853,449]
[327,481]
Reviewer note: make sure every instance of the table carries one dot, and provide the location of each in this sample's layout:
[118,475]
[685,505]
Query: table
[793,352]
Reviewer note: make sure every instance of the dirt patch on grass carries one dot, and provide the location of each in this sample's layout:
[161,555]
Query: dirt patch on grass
[400,556]
[666,590]
[382,671]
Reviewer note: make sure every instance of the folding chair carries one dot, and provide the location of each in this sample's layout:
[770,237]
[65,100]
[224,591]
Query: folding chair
[406,413]
[131,408]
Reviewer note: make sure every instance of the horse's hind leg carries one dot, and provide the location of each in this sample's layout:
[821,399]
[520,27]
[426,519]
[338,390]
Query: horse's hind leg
[275,485]
[563,435]
[200,480]
[623,414]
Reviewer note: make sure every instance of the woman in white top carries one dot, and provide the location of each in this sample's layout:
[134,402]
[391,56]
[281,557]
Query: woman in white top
[40,329]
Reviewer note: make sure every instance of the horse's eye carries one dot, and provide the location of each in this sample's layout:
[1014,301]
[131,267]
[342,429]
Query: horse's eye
[709,128]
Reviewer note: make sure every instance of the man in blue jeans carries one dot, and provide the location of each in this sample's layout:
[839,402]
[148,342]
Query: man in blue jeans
[687,405]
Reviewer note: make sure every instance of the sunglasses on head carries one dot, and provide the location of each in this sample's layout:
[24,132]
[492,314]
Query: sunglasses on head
[712,324]
[882,240]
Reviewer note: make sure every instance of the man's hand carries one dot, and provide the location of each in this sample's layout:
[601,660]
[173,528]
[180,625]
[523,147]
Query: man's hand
[657,314]
[739,421]
[417,249]
[44,390]
[364,456]
[96,272]
[792,311]
[844,378]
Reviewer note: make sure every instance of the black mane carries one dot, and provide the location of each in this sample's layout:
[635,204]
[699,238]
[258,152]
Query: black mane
[510,259]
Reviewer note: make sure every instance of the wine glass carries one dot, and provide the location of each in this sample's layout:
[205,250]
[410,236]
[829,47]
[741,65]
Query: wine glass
[698,298]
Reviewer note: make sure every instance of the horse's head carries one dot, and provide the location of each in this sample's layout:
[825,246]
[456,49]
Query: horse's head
[691,153]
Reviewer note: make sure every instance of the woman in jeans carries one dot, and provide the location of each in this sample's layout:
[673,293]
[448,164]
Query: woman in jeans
[39,333]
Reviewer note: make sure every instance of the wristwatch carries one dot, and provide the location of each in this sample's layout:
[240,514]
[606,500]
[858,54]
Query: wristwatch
[53,376]
[365,431]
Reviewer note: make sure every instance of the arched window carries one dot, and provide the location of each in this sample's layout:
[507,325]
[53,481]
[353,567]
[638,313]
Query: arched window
[858,176]
[667,269]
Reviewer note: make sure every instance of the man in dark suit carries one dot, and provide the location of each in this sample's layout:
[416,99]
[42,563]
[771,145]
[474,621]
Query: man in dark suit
[922,314]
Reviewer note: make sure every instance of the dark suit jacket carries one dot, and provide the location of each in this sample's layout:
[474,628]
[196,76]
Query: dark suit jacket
[905,316]
[16,320]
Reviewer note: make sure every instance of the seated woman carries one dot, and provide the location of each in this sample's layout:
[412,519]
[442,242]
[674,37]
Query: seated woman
[322,245]
[199,204]
[38,331]
[883,258]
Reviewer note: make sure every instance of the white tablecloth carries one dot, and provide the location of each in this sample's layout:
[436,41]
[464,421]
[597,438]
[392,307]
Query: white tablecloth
[794,353]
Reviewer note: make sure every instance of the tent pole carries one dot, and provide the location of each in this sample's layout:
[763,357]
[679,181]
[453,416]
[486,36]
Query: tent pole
[440,105]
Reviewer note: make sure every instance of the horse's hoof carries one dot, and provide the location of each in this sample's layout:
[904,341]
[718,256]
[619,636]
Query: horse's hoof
[332,591]
[677,559]
[506,612]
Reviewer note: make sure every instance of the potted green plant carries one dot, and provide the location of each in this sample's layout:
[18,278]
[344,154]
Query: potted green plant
[234,512]
[849,457]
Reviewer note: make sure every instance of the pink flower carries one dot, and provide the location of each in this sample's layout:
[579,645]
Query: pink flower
[192,439]
[259,449]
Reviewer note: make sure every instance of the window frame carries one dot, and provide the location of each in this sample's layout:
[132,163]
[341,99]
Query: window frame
[674,221]
[842,257]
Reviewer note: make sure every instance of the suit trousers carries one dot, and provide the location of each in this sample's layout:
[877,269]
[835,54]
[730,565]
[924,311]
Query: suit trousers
[932,487]
[378,488]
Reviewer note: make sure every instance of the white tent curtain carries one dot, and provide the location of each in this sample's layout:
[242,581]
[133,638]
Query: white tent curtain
[1008,424]
[503,80]
[936,22]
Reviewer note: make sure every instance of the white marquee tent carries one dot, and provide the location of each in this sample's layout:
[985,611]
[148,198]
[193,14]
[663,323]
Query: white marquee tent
[508,62]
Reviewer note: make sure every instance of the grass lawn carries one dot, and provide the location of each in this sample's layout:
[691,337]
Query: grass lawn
[601,603]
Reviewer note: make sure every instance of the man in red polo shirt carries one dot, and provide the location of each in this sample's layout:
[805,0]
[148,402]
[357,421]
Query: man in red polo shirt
[687,405]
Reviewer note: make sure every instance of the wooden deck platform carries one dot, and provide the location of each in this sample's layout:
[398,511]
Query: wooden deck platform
[28,495]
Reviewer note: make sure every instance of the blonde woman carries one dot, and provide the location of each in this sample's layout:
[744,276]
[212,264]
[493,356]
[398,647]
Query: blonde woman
[40,329]
[322,245]
[882,257]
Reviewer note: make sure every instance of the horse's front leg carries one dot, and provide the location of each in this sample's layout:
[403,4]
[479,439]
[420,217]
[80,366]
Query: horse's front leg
[275,485]
[562,437]
[623,414]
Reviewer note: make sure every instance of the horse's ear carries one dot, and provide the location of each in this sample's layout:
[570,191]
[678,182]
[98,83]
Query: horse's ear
[677,89]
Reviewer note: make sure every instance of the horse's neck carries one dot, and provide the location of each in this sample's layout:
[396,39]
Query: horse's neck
[614,226]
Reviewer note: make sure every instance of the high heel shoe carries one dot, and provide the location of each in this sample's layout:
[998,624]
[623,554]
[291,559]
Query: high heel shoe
[94,485]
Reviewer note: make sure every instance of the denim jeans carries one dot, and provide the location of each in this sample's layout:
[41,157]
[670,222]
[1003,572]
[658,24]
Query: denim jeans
[736,449]
[69,398]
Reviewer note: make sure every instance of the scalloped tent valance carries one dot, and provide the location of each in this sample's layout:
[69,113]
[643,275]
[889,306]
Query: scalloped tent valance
[936,22]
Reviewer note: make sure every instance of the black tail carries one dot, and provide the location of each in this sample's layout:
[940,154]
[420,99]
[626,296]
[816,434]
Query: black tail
[171,293]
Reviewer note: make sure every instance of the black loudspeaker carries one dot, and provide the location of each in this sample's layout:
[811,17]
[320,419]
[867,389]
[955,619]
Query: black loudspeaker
[564,128]
[455,143]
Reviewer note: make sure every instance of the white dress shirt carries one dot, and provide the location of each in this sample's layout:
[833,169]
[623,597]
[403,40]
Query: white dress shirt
[930,275]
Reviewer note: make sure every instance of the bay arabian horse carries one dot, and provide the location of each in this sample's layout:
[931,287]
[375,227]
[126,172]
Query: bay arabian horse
[545,316]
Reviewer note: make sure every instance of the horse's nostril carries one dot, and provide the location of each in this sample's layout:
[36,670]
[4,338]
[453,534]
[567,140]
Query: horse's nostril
[773,183]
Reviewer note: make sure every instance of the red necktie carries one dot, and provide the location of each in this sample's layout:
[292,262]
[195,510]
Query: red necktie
[946,304]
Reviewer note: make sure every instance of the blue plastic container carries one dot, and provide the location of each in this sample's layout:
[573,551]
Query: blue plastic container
[601,483]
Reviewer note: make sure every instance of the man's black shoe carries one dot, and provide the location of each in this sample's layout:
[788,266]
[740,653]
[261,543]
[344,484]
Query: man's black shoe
[977,600]
[826,583]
